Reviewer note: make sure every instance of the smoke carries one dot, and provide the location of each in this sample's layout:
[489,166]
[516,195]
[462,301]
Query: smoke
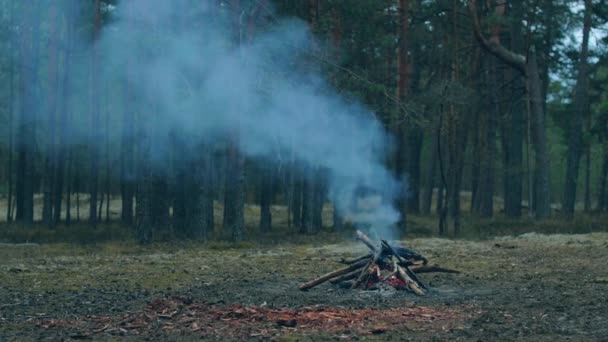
[196,70]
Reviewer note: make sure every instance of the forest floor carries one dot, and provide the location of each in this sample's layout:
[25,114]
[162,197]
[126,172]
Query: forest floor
[532,286]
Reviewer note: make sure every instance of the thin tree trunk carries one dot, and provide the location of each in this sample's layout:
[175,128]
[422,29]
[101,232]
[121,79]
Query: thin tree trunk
[208,192]
[415,140]
[60,162]
[308,192]
[29,116]
[289,194]
[143,216]
[265,198]
[580,106]
[297,201]
[77,186]
[588,180]
[68,191]
[476,156]
[338,220]
[200,223]
[234,194]
[602,196]
[427,193]
[51,111]
[403,84]
[11,114]
[318,200]
[95,119]
[513,169]
[486,190]
[100,208]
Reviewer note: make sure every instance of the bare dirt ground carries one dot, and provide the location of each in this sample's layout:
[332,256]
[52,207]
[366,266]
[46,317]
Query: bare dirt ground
[533,287]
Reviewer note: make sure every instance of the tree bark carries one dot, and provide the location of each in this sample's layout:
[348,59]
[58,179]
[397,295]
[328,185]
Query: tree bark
[266,186]
[143,213]
[513,152]
[580,106]
[52,99]
[602,196]
[542,190]
[318,200]
[95,119]
[127,166]
[68,190]
[427,193]
[201,219]
[30,43]
[308,191]
[402,92]
[488,156]
[234,194]
[64,119]
[11,115]
[297,200]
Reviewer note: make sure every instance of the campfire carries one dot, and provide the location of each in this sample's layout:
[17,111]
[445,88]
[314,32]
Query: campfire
[396,266]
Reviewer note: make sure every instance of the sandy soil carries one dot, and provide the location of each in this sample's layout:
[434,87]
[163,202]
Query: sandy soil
[531,287]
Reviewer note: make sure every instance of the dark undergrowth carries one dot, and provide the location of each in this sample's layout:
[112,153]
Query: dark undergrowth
[418,226]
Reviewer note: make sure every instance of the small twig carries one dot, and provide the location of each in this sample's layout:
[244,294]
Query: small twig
[97,331]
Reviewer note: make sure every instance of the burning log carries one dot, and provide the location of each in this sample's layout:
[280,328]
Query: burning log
[401,263]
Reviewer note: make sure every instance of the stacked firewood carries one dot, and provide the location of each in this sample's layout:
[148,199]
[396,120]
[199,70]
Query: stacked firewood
[396,266]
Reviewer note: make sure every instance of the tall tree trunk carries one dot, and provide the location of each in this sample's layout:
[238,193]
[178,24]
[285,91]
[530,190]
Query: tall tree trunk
[443,194]
[184,185]
[289,193]
[338,220]
[492,112]
[308,193]
[52,98]
[68,191]
[266,187]
[143,214]
[234,188]
[427,193]
[201,217]
[77,187]
[297,200]
[415,139]
[402,92]
[108,187]
[415,135]
[30,43]
[456,137]
[95,118]
[60,159]
[513,152]
[11,115]
[234,194]
[208,192]
[580,106]
[477,153]
[602,195]
[587,207]
[542,186]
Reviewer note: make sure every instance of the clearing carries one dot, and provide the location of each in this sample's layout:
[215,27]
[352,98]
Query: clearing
[533,286]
